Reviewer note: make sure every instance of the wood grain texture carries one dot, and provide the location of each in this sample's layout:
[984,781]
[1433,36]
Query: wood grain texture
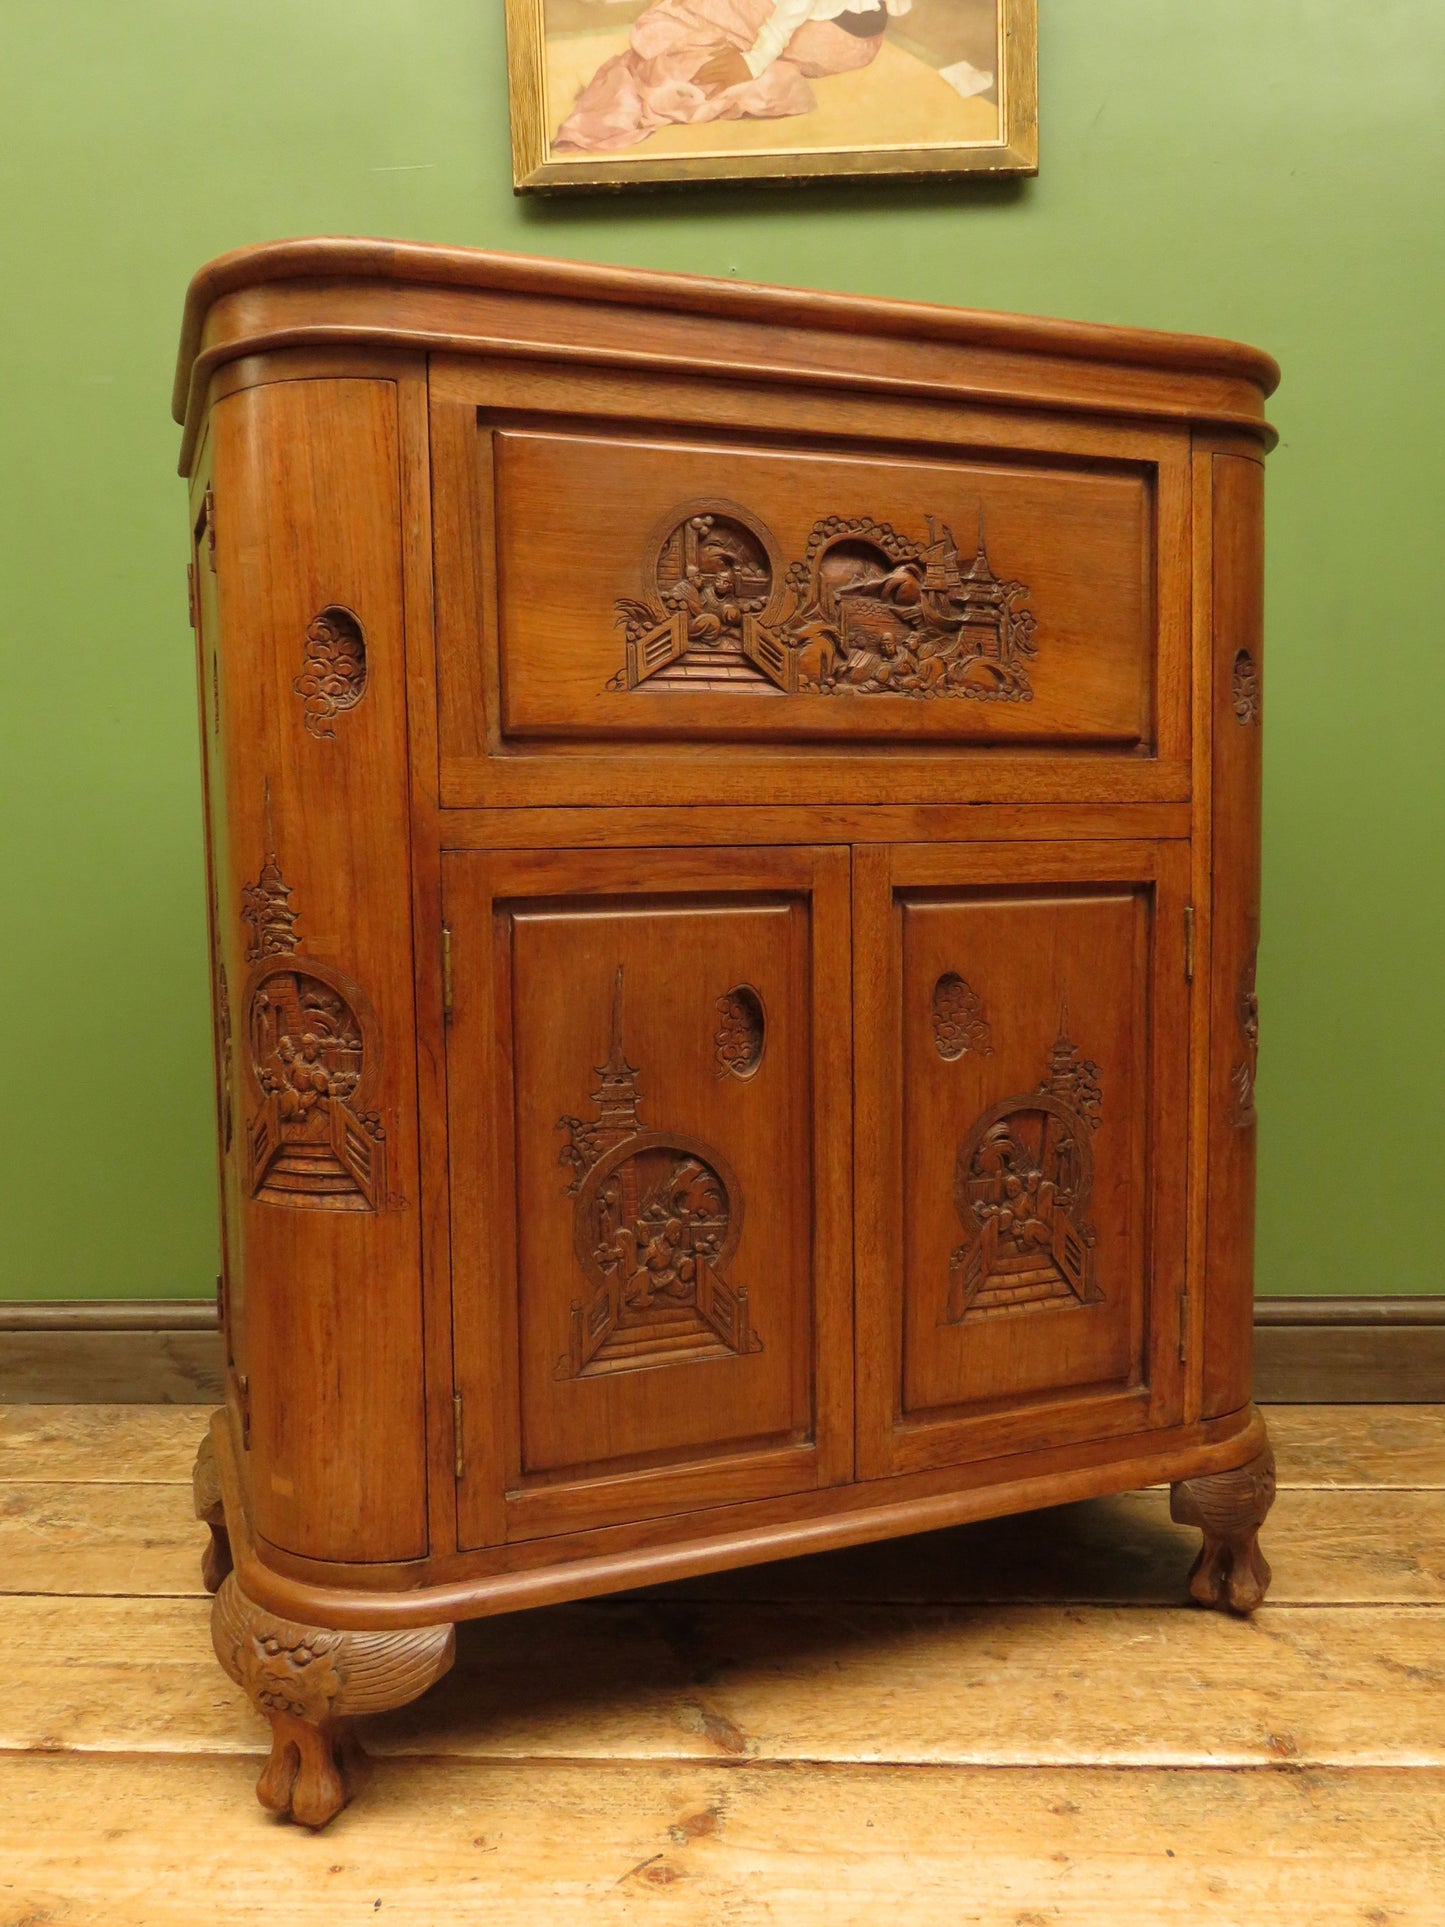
[314,941]
[695,1846]
[100,1444]
[1329,1446]
[386,278]
[61,1367]
[753,1680]
[1365,1362]
[829,1753]
[1237,508]
[1359,1445]
[1336,1548]
[527,1300]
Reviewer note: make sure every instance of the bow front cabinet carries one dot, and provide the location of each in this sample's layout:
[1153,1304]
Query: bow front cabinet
[732,827]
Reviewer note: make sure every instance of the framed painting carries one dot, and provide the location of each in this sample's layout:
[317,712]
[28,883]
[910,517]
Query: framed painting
[606,93]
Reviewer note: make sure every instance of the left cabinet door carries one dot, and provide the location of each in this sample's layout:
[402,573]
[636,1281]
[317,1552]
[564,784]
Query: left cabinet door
[648,1091]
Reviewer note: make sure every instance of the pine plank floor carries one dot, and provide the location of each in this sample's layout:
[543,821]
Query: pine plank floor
[1018,1722]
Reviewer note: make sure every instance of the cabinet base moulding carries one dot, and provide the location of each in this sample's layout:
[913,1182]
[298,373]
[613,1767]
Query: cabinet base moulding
[450,1588]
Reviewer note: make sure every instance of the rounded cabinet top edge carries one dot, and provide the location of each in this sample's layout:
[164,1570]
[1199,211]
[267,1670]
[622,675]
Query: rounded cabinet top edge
[406,265]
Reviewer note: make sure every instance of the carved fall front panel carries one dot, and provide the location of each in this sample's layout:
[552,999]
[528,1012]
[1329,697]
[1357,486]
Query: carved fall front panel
[758,592]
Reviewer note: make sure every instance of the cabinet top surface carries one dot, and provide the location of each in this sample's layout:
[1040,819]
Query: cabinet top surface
[257,292]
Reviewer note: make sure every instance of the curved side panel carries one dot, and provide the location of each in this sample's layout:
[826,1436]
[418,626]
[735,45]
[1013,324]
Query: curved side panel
[1238,567]
[315,932]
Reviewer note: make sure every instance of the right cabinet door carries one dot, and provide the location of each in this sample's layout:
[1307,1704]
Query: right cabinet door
[1021,1030]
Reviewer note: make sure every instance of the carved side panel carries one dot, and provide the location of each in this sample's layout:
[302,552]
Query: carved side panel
[1021,1189]
[333,670]
[313,1051]
[656,1220]
[866,611]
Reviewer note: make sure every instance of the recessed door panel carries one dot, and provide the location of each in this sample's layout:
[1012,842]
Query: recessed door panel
[1024,1236]
[1023,1141]
[717,591]
[648,1080]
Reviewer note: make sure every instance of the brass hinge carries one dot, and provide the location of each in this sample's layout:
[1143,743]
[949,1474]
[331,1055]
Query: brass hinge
[446,972]
[192,596]
[210,517]
[460,1465]
[1183,1324]
[1189,943]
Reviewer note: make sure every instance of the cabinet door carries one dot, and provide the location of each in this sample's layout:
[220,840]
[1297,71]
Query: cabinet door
[649,1113]
[1021,1021]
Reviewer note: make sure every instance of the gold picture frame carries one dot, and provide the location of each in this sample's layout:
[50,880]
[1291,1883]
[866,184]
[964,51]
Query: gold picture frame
[640,118]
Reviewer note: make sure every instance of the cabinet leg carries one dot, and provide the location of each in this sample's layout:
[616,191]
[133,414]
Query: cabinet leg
[206,1491]
[1229,1508]
[309,1684]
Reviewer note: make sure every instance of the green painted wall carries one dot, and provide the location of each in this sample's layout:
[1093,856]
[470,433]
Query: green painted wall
[1272,172]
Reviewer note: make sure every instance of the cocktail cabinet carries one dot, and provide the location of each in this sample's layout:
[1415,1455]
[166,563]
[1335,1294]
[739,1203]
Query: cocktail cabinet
[732,826]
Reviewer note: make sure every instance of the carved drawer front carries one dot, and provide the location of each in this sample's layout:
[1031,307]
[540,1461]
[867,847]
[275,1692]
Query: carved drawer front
[696,577]
[1023,1049]
[647,1249]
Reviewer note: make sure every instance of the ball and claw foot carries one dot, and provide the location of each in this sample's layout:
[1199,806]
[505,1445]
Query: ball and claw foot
[206,1491]
[1229,1508]
[309,1684]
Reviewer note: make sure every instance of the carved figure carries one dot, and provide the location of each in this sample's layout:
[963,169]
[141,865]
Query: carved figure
[656,1220]
[312,1142]
[868,611]
[1021,1187]
[712,581]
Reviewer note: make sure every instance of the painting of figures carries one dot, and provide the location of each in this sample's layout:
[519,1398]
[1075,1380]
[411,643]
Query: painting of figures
[610,91]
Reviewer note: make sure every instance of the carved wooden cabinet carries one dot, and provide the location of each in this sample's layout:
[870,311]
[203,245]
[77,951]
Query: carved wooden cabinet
[733,856]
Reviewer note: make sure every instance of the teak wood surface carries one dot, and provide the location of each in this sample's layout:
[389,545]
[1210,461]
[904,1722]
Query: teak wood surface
[1006,1719]
[732,825]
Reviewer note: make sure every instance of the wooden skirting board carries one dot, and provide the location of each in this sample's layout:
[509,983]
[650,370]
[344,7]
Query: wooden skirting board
[162,1351]
[141,1351]
[1369,1351]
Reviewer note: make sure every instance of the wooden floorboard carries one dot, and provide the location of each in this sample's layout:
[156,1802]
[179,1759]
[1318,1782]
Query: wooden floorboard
[959,1685]
[1359,1445]
[1016,1722]
[164,1842]
[106,1444]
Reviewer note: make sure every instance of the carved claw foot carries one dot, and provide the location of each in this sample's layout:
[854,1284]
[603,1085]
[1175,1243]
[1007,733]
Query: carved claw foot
[206,1491]
[1229,1508]
[309,1684]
